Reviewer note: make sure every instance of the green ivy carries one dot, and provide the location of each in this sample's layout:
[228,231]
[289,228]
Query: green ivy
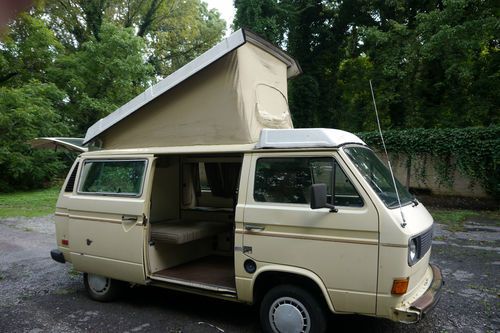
[473,151]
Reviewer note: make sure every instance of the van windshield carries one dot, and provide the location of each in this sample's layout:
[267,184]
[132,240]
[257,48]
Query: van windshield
[378,176]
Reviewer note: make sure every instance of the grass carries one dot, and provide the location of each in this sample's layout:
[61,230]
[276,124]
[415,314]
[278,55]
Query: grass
[454,219]
[29,204]
[73,272]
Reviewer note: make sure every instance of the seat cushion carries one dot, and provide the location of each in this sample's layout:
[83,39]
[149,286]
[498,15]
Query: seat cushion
[180,232]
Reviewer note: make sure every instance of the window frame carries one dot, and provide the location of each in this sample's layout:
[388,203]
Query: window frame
[113,194]
[335,164]
[370,187]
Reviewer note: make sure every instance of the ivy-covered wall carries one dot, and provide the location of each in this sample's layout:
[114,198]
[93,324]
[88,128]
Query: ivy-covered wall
[472,152]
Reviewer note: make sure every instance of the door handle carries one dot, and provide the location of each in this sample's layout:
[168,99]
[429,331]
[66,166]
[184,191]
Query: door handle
[128,222]
[254,227]
[129,218]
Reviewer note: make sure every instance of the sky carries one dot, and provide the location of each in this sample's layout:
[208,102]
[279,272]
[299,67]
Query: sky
[226,10]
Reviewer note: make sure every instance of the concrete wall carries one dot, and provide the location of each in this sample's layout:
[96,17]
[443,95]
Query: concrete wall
[411,177]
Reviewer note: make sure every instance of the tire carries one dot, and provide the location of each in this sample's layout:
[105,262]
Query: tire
[288,309]
[102,289]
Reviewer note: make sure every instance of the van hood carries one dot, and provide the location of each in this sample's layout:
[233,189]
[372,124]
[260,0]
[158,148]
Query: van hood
[416,216]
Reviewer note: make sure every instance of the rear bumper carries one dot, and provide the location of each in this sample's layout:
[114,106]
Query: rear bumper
[57,255]
[422,305]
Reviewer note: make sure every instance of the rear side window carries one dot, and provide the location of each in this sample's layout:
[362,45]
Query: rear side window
[71,180]
[112,177]
[289,180]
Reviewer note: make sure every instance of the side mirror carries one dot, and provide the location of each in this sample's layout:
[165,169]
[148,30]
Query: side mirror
[318,198]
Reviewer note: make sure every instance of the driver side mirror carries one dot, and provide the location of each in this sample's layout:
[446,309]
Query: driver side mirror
[318,198]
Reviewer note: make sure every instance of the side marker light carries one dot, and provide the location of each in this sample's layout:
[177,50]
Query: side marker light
[400,286]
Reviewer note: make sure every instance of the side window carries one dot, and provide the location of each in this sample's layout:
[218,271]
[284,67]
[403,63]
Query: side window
[220,179]
[288,180]
[210,184]
[71,180]
[285,180]
[123,178]
[344,192]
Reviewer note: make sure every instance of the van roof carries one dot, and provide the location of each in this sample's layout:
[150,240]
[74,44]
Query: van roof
[282,139]
[306,138]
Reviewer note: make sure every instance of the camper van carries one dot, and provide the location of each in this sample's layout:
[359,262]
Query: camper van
[201,184]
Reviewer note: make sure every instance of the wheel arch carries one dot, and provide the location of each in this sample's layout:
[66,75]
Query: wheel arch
[272,275]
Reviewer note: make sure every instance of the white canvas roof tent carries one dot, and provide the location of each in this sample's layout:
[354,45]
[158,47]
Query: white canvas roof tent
[223,97]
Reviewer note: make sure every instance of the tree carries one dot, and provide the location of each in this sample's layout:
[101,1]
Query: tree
[433,63]
[26,113]
[316,33]
[355,96]
[101,76]
[27,50]
[68,63]
[189,30]
[267,18]
[461,46]
[102,53]
[174,31]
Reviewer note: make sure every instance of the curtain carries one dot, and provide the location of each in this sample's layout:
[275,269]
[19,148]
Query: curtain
[223,178]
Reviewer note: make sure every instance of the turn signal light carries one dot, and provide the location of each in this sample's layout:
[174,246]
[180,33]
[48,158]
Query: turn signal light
[400,286]
[64,242]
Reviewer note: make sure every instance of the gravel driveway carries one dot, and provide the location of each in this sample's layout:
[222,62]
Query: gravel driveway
[39,295]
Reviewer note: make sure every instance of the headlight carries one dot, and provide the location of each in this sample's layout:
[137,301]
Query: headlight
[412,252]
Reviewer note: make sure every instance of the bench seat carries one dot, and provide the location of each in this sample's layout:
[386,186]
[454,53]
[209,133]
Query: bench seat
[180,232]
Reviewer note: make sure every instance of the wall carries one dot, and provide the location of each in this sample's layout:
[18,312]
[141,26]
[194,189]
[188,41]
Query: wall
[413,176]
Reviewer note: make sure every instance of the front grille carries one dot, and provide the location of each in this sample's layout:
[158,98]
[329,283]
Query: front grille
[424,242]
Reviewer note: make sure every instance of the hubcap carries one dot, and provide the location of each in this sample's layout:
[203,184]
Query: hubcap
[288,315]
[98,284]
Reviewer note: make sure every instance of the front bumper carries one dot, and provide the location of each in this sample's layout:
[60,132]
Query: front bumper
[422,305]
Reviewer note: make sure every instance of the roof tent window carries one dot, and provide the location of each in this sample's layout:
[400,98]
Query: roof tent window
[272,107]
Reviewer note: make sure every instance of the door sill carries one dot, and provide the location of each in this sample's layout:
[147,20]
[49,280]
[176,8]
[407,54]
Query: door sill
[228,292]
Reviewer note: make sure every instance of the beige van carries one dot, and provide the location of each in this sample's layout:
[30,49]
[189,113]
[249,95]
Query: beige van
[299,230]
[211,191]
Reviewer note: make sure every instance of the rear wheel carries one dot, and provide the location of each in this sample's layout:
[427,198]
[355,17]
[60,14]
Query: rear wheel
[287,309]
[101,288]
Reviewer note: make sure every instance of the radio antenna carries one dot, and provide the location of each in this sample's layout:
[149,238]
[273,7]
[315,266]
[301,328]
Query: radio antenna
[403,223]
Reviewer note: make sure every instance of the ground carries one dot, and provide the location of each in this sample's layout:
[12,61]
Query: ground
[39,295]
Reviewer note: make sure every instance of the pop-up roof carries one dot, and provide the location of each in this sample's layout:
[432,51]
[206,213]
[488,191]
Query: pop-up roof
[225,96]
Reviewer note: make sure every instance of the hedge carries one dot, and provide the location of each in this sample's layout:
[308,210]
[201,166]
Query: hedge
[474,151]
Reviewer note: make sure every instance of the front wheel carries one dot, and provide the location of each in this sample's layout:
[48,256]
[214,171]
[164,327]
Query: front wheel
[287,309]
[101,288]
